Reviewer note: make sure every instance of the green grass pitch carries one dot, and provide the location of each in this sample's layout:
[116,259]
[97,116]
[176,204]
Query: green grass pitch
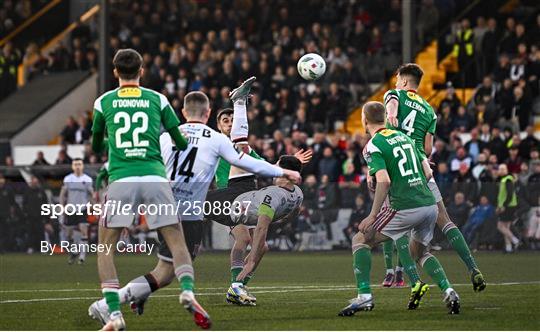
[295,291]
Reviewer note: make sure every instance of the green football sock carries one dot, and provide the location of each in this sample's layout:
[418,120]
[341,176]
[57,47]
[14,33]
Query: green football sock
[432,267]
[388,251]
[459,244]
[185,275]
[404,255]
[112,298]
[247,278]
[362,269]
[399,262]
[235,271]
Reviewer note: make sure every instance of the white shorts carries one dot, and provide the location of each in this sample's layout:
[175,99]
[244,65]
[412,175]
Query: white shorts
[420,222]
[434,190]
[137,194]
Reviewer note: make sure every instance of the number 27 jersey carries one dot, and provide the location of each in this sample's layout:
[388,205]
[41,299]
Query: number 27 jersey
[393,151]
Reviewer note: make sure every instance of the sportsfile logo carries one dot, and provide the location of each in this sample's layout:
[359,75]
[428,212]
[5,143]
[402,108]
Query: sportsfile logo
[183,208]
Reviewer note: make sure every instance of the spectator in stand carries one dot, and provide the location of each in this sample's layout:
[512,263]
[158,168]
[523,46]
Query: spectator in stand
[489,47]
[63,158]
[68,133]
[480,166]
[9,161]
[482,213]
[514,160]
[83,132]
[33,199]
[521,108]
[464,51]
[459,209]
[360,212]
[427,22]
[496,144]
[310,190]
[328,165]
[10,58]
[475,145]
[465,183]
[40,159]
[529,143]
[507,203]
[461,158]
[349,185]
[451,99]
[502,70]
[444,180]
[326,203]
[462,121]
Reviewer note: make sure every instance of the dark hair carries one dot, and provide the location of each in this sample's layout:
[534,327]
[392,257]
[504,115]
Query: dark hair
[374,112]
[412,70]
[127,63]
[77,159]
[224,111]
[290,162]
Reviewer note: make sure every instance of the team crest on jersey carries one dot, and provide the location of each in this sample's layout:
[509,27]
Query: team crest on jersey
[129,92]
[386,132]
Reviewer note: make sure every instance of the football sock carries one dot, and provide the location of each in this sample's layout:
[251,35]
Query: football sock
[404,255]
[185,275]
[388,251]
[109,289]
[432,267]
[240,126]
[235,271]
[362,268]
[456,239]
[248,278]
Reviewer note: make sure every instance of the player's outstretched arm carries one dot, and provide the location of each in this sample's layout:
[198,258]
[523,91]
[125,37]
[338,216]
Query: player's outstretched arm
[257,249]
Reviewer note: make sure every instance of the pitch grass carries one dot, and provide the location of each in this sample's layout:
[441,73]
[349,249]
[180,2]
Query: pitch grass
[295,291]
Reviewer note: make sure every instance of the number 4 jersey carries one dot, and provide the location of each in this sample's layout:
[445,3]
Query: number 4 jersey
[415,116]
[394,151]
[191,171]
[134,117]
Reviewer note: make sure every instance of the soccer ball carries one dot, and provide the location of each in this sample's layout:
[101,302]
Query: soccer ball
[311,66]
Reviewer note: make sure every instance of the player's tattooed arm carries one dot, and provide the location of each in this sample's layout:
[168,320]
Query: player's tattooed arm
[257,249]
[381,191]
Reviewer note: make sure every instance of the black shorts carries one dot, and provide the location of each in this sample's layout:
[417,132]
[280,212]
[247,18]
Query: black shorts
[237,186]
[193,236]
[508,215]
[75,220]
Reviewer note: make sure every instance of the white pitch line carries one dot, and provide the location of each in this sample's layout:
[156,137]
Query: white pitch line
[173,289]
[308,288]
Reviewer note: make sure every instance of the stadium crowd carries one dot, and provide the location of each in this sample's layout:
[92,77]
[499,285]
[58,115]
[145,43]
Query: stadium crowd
[285,114]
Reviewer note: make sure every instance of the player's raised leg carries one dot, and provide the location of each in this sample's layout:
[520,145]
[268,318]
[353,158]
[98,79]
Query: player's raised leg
[457,241]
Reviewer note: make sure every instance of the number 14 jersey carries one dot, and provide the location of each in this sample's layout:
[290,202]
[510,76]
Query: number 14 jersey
[394,151]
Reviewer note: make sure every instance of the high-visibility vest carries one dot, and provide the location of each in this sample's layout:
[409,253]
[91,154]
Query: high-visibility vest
[464,39]
[501,197]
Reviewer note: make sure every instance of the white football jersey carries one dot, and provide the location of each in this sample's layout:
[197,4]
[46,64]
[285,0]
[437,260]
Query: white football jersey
[191,171]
